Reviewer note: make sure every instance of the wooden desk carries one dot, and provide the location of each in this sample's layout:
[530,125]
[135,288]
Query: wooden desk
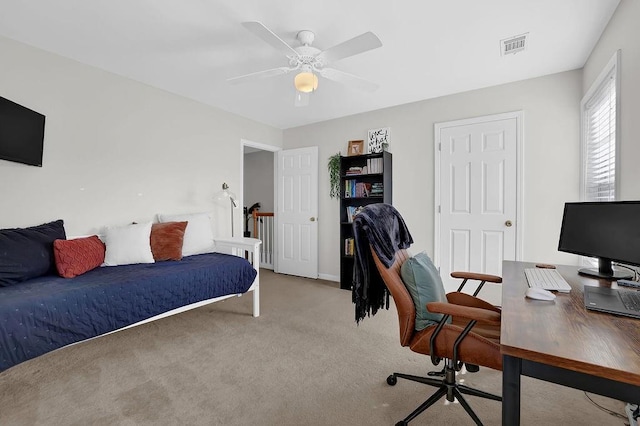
[562,342]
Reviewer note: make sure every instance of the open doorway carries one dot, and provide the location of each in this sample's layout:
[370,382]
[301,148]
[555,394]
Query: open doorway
[258,195]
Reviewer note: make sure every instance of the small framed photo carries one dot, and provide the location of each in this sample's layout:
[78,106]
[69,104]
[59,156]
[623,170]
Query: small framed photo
[356,148]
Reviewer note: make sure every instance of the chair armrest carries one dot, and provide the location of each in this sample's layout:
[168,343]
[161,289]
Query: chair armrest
[478,277]
[473,314]
[465,299]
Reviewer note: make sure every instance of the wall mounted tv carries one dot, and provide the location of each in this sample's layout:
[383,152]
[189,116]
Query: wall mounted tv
[21,133]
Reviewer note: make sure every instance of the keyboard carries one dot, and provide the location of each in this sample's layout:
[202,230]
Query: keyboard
[548,279]
[630,299]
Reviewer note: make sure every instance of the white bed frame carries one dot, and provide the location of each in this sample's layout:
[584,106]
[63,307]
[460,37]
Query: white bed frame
[249,248]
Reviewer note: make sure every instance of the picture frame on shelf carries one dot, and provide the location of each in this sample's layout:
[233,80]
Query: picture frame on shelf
[378,140]
[356,148]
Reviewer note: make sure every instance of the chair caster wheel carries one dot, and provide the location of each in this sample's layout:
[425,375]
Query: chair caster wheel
[472,368]
[391,381]
[436,373]
[402,423]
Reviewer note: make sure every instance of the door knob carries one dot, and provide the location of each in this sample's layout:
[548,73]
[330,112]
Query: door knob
[508,224]
[312,219]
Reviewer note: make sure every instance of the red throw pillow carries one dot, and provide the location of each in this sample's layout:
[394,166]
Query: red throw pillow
[77,256]
[166,240]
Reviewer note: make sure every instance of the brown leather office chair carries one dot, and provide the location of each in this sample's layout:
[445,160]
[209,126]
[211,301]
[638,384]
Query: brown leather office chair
[472,337]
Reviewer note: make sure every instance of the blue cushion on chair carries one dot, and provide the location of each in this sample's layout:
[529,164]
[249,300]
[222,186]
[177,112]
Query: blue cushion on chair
[28,252]
[422,280]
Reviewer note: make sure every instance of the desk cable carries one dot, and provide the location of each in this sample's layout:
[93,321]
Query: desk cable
[606,410]
[634,270]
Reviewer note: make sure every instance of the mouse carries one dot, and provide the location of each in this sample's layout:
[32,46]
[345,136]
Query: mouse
[539,294]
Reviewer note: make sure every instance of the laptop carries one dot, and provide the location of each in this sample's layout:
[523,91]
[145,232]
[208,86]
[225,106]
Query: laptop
[612,300]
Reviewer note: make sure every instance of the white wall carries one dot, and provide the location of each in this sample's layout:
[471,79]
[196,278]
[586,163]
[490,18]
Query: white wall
[116,150]
[551,164]
[623,32]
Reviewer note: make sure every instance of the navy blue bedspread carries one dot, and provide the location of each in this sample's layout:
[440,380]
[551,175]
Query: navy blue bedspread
[47,313]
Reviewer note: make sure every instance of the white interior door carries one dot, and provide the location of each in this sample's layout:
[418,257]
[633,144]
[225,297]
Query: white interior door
[297,212]
[478,189]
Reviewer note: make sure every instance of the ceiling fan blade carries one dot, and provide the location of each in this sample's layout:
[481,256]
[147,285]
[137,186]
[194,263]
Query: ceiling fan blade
[259,75]
[270,37]
[354,46]
[348,79]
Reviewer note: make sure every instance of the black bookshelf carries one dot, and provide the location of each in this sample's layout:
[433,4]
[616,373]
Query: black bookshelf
[360,187]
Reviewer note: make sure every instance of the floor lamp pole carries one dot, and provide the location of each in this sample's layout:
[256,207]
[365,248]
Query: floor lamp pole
[231,195]
[233,204]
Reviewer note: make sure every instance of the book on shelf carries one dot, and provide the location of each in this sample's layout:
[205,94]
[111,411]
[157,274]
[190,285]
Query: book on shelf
[349,246]
[354,189]
[355,170]
[348,188]
[366,189]
[374,165]
[352,212]
[377,189]
[362,189]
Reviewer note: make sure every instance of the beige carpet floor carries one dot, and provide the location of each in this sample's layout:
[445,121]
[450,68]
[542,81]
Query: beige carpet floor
[304,361]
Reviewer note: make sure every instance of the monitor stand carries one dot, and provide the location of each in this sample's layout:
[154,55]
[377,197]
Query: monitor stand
[606,271]
[614,276]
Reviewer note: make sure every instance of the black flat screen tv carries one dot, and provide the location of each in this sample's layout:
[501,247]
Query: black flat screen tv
[21,133]
[608,231]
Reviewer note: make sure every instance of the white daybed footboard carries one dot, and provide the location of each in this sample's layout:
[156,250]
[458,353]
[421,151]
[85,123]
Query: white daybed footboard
[249,248]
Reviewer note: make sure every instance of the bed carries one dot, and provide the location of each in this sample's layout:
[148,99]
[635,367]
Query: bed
[49,312]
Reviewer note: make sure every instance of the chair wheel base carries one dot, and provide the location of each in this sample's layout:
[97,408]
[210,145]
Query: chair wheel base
[447,388]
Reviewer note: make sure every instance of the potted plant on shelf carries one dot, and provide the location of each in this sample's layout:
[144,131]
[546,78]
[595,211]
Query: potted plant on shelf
[334,175]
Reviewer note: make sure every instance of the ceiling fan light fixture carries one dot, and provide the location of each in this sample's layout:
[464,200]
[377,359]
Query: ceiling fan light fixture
[306,82]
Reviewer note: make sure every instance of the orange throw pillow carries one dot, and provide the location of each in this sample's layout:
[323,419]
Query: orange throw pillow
[77,256]
[166,240]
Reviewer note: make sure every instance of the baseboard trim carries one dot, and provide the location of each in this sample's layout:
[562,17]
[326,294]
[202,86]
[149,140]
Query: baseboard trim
[328,277]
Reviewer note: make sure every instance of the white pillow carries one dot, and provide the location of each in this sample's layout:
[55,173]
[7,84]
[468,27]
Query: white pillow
[198,237]
[129,244]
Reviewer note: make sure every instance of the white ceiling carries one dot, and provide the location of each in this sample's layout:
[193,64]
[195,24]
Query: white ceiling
[430,48]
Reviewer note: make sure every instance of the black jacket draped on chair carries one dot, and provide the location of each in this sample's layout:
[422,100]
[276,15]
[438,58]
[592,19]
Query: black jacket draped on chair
[371,228]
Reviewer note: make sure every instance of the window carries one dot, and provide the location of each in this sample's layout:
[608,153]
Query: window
[600,109]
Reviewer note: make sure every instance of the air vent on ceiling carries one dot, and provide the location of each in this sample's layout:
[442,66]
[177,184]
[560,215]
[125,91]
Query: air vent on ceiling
[513,45]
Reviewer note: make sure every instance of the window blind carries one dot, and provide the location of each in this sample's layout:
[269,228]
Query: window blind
[600,141]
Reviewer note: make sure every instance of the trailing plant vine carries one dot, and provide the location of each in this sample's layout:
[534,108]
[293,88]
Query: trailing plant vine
[334,175]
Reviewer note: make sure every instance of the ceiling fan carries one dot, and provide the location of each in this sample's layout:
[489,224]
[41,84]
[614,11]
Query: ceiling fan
[309,62]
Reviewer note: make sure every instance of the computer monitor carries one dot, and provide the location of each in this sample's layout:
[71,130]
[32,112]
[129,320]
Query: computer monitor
[609,231]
